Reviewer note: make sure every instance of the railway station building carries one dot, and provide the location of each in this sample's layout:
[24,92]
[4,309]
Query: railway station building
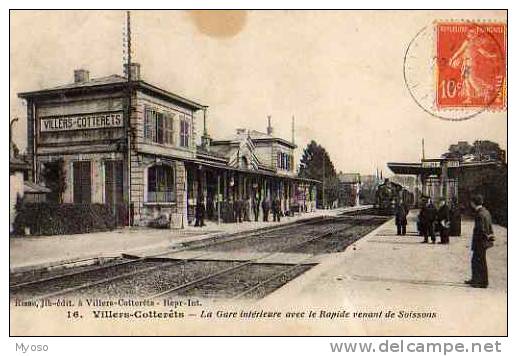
[135,147]
[349,189]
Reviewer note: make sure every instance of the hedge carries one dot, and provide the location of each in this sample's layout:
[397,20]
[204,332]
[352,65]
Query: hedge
[60,219]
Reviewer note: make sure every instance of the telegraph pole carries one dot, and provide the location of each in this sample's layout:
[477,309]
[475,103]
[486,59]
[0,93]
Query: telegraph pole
[129,112]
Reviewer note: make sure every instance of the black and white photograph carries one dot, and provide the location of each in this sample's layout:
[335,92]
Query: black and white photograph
[258,173]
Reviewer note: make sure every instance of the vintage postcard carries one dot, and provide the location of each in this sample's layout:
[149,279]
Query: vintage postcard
[252,172]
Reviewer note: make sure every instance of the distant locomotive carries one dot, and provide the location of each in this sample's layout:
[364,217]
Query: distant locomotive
[389,193]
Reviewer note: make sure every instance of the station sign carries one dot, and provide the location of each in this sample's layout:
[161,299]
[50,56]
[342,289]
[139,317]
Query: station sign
[431,164]
[82,122]
[453,163]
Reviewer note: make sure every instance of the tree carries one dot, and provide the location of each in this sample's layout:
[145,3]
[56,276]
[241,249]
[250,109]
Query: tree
[481,150]
[457,151]
[485,150]
[316,164]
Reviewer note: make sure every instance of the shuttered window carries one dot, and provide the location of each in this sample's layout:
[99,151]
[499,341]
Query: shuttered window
[168,129]
[150,125]
[82,182]
[158,127]
[184,131]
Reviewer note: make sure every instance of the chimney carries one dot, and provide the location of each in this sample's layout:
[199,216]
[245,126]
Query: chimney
[205,139]
[292,130]
[269,127]
[135,71]
[81,76]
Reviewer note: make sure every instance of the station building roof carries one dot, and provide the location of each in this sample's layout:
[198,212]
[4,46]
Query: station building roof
[349,178]
[111,82]
[255,136]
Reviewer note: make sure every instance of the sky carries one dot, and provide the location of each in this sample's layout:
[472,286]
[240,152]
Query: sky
[340,73]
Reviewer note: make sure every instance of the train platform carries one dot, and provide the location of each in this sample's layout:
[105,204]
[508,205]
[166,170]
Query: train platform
[419,286]
[31,253]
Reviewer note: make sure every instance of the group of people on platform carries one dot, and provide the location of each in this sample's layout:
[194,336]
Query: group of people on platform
[242,210]
[275,207]
[446,221]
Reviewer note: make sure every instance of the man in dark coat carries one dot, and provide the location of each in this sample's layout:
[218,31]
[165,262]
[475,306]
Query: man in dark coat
[482,238]
[256,207]
[238,210]
[276,209]
[443,221]
[246,209]
[400,218]
[428,214]
[265,209]
[419,220]
[455,229]
[200,212]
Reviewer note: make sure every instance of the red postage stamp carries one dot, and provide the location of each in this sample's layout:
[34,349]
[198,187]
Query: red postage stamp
[471,70]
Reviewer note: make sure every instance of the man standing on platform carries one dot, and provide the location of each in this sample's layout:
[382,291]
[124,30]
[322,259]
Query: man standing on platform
[276,209]
[443,221]
[400,218]
[428,214]
[238,210]
[200,211]
[482,238]
[256,207]
[265,209]
[455,229]
[246,209]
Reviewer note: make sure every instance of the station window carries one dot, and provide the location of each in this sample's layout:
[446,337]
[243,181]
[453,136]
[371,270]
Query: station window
[160,184]
[150,125]
[158,127]
[168,129]
[284,161]
[184,131]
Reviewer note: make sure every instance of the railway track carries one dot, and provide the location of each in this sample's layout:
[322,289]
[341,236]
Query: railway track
[82,271]
[155,276]
[180,289]
[75,281]
[272,281]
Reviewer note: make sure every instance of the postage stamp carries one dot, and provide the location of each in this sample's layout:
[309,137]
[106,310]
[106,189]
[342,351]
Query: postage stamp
[471,65]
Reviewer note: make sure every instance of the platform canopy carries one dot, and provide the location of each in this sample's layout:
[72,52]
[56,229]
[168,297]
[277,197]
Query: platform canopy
[436,166]
[406,168]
